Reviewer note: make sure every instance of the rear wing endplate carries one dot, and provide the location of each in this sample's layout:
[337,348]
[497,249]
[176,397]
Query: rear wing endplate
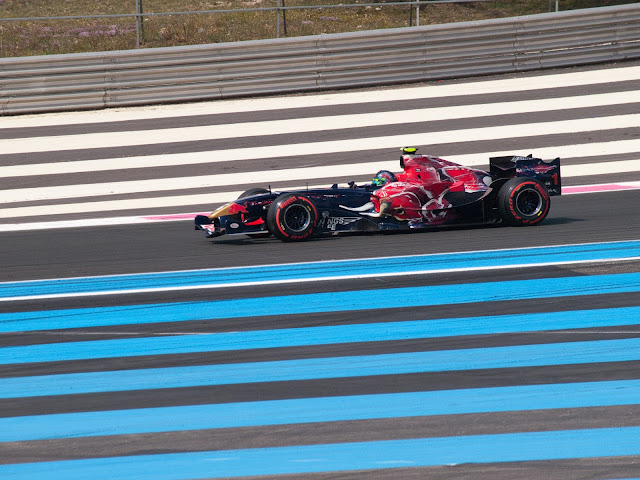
[547,172]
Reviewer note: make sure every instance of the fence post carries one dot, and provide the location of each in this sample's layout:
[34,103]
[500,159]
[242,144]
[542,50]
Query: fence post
[284,18]
[139,24]
[281,8]
[278,19]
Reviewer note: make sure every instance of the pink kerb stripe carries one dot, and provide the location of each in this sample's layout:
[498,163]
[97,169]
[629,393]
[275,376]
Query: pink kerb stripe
[597,188]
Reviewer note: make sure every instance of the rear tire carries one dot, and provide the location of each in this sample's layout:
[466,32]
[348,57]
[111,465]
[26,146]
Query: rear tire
[523,201]
[292,217]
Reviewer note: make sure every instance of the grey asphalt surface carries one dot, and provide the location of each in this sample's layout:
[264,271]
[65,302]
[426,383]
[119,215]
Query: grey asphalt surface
[174,245]
[170,246]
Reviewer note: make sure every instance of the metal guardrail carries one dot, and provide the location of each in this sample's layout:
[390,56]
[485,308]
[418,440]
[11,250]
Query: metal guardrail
[357,59]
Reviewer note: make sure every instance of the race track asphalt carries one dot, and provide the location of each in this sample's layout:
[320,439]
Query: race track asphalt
[60,253]
[584,218]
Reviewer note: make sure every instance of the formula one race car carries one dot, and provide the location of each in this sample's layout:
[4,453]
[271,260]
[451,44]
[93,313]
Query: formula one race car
[431,192]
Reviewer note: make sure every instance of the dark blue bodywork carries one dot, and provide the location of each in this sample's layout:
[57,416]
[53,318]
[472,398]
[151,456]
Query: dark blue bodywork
[351,210]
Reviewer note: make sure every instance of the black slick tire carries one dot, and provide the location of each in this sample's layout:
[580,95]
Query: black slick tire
[252,192]
[292,218]
[523,201]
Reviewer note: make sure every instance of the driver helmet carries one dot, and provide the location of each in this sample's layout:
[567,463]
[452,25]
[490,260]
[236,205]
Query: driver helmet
[383,177]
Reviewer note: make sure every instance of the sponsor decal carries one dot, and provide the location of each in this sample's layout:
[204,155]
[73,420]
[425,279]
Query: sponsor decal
[539,169]
[211,228]
[332,222]
[288,201]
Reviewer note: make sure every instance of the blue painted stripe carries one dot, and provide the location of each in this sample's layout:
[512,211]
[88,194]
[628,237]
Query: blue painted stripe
[315,270]
[328,409]
[512,447]
[321,302]
[323,368]
[293,337]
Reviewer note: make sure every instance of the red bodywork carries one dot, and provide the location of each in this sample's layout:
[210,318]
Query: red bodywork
[419,191]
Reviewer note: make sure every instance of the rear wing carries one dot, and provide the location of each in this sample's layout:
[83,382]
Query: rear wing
[547,172]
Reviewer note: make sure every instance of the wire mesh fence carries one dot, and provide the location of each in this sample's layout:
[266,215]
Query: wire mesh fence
[126,24]
[314,63]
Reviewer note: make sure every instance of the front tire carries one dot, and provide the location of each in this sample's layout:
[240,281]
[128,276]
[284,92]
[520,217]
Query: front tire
[523,201]
[253,192]
[292,218]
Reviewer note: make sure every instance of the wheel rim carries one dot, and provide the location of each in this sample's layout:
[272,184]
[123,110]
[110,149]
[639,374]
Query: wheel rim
[529,202]
[297,218]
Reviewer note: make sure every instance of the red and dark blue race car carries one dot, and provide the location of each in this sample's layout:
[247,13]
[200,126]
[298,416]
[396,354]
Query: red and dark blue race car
[430,192]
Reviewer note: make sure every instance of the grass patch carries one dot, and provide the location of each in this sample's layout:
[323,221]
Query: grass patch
[52,36]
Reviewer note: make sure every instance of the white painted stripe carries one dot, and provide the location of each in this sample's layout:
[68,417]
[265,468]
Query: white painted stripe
[182,183]
[102,222]
[544,80]
[315,279]
[284,151]
[211,199]
[300,125]
[621,166]
[111,205]
[580,151]
[88,222]
[356,171]
[205,181]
